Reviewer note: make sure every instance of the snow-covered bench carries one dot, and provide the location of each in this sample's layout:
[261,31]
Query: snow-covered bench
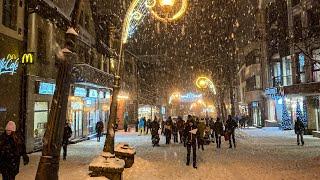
[125,152]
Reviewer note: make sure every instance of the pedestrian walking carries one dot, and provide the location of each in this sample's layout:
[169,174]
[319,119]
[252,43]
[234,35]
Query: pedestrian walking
[137,125]
[168,129]
[299,130]
[191,132]
[144,124]
[141,126]
[175,132]
[211,125]
[148,125]
[99,129]
[180,126]
[201,129]
[231,125]
[125,123]
[12,147]
[66,135]
[154,128]
[218,131]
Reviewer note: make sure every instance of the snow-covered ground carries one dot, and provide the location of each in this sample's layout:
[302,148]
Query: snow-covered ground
[266,153]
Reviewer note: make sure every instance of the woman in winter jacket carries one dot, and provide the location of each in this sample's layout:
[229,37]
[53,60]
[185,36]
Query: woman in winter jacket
[12,147]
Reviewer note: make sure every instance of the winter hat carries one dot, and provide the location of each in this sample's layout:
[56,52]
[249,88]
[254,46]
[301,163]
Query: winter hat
[11,126]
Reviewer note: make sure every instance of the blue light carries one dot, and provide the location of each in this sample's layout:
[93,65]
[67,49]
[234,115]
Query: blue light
[47,88]
[81,92]
[9,66]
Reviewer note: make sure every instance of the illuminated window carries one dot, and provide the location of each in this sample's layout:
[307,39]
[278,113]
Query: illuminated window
[9,14]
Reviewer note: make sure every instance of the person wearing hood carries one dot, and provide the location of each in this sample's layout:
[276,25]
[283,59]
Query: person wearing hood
[299,131]
[12,147]
[141,126]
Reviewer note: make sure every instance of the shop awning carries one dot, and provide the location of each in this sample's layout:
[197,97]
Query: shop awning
[84,73]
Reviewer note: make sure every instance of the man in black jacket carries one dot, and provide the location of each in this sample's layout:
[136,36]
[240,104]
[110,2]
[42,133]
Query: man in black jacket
[231,125]
[191,133]
[299,130]
[66,135]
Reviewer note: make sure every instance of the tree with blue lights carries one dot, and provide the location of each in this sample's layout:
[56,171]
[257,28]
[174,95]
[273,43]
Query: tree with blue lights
[286,123]
[303,116]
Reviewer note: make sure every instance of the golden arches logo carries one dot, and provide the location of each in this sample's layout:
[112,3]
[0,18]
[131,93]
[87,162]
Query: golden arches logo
[11,56]
[27,59]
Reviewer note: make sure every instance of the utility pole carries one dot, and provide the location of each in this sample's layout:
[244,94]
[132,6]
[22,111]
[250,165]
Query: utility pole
[48,168]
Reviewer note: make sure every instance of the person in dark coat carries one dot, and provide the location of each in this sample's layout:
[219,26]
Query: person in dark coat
[99,129]
[218,131]
[154,129]
[137,125]
[144,124]
[180,126]
[175,132]
[148,126]
[191,133]
[66,135]
[12,147]
[231,125]
[168,129]
[211,125]
[299,130]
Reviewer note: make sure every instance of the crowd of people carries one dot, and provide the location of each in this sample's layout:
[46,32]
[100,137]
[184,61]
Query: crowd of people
[192,133]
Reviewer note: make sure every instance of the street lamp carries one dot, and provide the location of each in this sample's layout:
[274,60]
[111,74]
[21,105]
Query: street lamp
[133,14]
[205,83]
[167,3]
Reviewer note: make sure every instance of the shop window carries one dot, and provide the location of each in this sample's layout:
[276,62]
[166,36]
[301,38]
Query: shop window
[276,74]
[316,66]
[41,112]
[251,84]
[301,68]
[9,14]
[286,71]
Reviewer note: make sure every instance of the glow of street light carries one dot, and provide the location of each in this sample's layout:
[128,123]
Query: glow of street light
[167,2]
[204,83]
[178,15]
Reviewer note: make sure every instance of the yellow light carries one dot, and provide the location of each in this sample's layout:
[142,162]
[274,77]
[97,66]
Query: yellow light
[204,82]
[178,15]
[122,97]
[167,2]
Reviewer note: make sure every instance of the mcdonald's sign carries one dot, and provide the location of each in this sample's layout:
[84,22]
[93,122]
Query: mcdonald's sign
[27,58]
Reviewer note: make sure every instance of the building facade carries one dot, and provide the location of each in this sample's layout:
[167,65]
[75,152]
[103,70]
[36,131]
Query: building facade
[89,99]
[292,44]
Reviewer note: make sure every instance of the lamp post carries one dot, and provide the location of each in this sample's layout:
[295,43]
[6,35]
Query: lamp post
[109,142]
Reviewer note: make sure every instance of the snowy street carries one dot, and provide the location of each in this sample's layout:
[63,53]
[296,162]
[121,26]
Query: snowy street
[261,154]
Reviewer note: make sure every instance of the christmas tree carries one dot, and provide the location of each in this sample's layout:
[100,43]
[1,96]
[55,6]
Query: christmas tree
[286,123]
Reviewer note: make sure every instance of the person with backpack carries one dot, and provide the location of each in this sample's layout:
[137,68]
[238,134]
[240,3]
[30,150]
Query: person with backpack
[67,133]
[12,147]
[99,129]
[299,130]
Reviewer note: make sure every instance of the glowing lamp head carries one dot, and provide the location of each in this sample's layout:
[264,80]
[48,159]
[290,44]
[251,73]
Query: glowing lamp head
[202,83]
[166,2]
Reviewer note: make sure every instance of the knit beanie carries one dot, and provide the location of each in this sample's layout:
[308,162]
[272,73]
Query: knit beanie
[11,126]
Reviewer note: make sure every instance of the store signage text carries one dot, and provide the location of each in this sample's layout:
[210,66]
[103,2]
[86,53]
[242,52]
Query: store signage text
[191,97]
[9,65]
[47,88]
[81,92]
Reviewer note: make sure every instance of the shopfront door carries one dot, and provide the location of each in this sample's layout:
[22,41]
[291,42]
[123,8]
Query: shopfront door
[257,117]
[77,124]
